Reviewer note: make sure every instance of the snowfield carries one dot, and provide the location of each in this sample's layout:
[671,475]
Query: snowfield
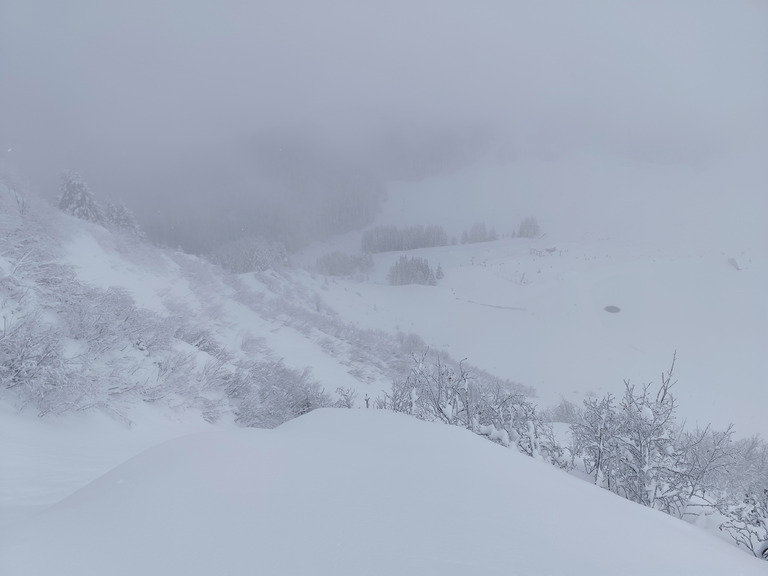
[539,318]
[353,492]
[685,263]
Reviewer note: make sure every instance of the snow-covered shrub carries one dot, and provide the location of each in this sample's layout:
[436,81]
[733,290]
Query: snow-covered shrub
[595,438]
[201,337]
[708,459]
[636,449]
[347,397]
[632,448]
[744,483]
[749,472]
[648,472]
[31,360]
[442,390]
[747,521]
[269,393]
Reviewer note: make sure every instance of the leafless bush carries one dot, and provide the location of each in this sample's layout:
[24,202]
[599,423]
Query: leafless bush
[270,393]
[436,389]
[347,397]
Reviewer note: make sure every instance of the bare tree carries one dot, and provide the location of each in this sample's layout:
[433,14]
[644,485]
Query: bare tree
[747,522]
[595,436]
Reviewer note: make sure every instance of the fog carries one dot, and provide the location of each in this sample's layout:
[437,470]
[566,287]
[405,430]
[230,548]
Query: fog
[213,120]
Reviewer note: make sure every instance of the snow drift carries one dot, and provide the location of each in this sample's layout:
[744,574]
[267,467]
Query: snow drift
[353,492]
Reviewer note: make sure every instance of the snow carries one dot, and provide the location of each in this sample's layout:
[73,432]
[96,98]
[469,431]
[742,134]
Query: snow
[654,241]
[43,460]
[362,491]
[551,330]
[147,275]
[352,492]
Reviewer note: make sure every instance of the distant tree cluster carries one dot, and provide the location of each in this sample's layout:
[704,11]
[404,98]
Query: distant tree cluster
[76,199]
[479,232]
[528,228]
[394,239]
[411,271]
[250,254]
[340,264]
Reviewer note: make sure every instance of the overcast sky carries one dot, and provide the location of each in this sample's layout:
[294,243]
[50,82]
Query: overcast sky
[176,99]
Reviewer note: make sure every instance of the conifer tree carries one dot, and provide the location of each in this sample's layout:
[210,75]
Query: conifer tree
[118,216]
[77,200]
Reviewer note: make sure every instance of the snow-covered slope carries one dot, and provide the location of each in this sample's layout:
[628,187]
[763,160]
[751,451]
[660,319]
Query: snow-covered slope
[532,311]
[353,492]
[43,460]
[539,318]
[682,252]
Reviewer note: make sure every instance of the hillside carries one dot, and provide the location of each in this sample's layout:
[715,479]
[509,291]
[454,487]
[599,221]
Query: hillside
[539,318]
[111,346]
[143,344]
[96,319]
[690,277]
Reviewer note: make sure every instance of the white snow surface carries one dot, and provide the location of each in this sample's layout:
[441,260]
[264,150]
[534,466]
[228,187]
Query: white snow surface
[540,319]
[685,263]
[353,492]
[43,460]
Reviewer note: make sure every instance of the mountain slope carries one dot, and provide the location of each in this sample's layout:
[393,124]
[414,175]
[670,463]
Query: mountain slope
[681,251]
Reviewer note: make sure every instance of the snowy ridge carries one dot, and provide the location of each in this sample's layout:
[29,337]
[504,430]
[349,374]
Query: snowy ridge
[353,492]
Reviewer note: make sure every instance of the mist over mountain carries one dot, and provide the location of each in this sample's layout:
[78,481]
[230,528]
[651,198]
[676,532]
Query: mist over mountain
[270,118]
